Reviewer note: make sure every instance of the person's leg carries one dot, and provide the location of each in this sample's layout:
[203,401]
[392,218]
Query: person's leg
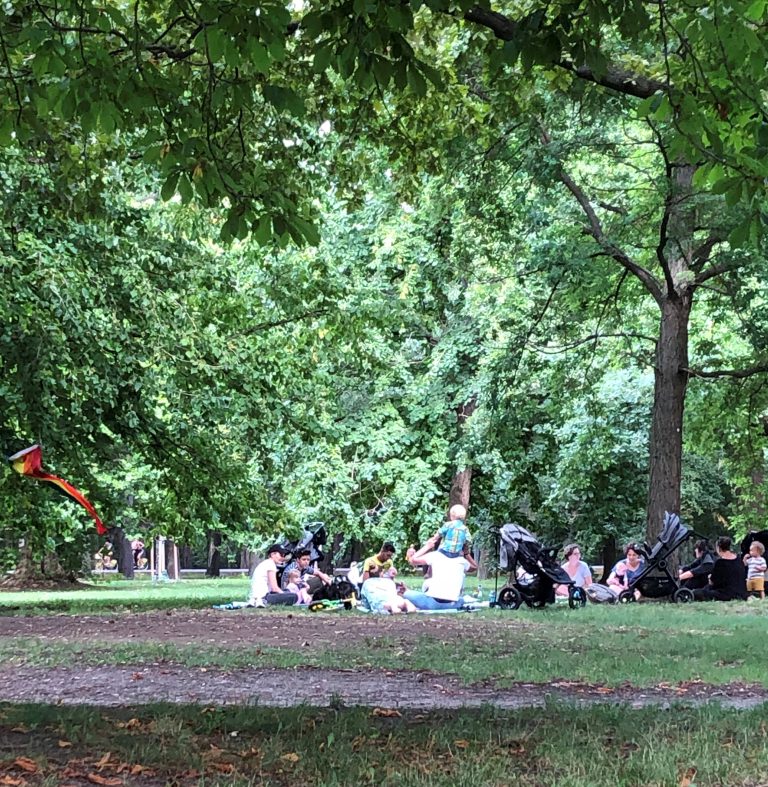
[423,601]
[703,594]
[281,599]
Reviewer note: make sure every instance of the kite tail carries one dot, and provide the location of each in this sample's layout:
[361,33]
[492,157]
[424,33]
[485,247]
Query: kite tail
[29,462]
[76,495]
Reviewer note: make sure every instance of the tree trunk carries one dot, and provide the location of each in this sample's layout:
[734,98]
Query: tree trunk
[461,486]
[185,556]
[666,443]
[214,554]
[123,551]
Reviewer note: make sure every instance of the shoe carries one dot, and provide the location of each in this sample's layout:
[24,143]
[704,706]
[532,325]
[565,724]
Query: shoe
[259,603]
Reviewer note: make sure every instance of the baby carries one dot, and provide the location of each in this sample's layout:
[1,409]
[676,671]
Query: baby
[297,586]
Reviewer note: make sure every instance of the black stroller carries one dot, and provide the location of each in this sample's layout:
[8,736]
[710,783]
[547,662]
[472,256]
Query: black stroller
[655,580]
[533,571]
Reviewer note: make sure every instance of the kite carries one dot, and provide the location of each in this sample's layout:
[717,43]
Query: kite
[29,462]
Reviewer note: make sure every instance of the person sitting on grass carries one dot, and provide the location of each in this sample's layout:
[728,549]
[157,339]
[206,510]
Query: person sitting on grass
[756,568]
[447,580]
[311,575]
[382,560]
[577,570]
[625,570]
[380,594]
[295,584]
[264,588]
[727,581]
[454,533]
[696,574]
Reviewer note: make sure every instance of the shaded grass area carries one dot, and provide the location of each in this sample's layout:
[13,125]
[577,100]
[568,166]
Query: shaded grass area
[139,595]
[251,746]
[643,645]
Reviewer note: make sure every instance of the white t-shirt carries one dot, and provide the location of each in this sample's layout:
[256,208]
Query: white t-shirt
[447,576]
[259,581]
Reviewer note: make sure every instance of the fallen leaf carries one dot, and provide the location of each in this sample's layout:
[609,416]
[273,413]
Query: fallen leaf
[107,781]
[13,781]
[223,767]
[461,744]
[20,728]
[688,777]
[25,764]
[137,676]
[290,757]
[388,713]
[65,744]
[104,760]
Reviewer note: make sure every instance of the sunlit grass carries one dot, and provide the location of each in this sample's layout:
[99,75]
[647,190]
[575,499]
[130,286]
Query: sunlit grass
[559,746]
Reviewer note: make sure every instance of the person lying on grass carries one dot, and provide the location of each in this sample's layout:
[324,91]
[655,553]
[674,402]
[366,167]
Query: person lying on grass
[380,593]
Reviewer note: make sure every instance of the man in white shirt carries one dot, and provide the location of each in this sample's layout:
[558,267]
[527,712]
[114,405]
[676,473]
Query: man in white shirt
[446,583]
[265,589]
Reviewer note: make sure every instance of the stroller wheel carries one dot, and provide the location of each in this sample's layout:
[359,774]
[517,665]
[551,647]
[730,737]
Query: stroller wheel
[626,596]
[577,597]
[682,596]
[509,598]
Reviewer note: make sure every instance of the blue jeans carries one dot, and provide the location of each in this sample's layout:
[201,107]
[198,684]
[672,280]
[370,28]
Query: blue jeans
[423,601]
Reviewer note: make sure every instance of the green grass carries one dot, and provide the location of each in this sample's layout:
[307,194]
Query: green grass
[642,644]
[558,746]
[114,594]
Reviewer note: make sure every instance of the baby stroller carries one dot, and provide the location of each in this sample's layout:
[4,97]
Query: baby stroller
[655,580]
[534,571]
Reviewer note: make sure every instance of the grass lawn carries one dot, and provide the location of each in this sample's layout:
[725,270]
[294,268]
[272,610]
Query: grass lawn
[568,745]
[349,746]
[644,644]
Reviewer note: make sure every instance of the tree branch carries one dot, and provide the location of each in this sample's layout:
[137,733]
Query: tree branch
[617,79]
[595,229]
[736,373]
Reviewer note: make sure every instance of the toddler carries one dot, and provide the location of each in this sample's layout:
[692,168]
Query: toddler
[454,534]
[756,568]
[295,585]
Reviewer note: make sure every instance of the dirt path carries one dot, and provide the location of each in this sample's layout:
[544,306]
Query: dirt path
[112,686]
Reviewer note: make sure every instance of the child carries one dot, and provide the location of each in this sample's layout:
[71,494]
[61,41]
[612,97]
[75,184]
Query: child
[454,534]
[756,568]
[295,585]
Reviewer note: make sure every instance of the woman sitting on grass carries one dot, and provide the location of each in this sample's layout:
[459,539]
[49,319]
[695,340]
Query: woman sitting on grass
[626,570]
[576,568]
[728,580]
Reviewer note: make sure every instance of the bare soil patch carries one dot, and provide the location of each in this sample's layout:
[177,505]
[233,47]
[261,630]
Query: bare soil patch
[245,629]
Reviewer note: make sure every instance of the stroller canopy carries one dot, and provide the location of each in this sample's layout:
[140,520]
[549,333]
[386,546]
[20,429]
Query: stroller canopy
[516,542]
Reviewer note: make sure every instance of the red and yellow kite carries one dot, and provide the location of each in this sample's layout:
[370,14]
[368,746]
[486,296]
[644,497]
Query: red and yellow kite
[29,462]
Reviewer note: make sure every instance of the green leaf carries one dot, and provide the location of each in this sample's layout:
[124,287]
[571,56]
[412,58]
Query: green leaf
[216,41]
[258,56]
[185,189]
[169,187]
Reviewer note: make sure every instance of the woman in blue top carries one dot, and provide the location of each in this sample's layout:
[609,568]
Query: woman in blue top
[625,570]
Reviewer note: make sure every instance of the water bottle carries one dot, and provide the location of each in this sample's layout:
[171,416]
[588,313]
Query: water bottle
[492,599]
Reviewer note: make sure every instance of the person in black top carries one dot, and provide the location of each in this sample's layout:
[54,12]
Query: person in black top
[728,578]
[696,574]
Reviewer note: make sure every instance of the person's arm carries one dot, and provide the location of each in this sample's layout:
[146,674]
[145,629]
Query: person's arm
[417,558]
[272,582]
[315,572]
[366,569]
